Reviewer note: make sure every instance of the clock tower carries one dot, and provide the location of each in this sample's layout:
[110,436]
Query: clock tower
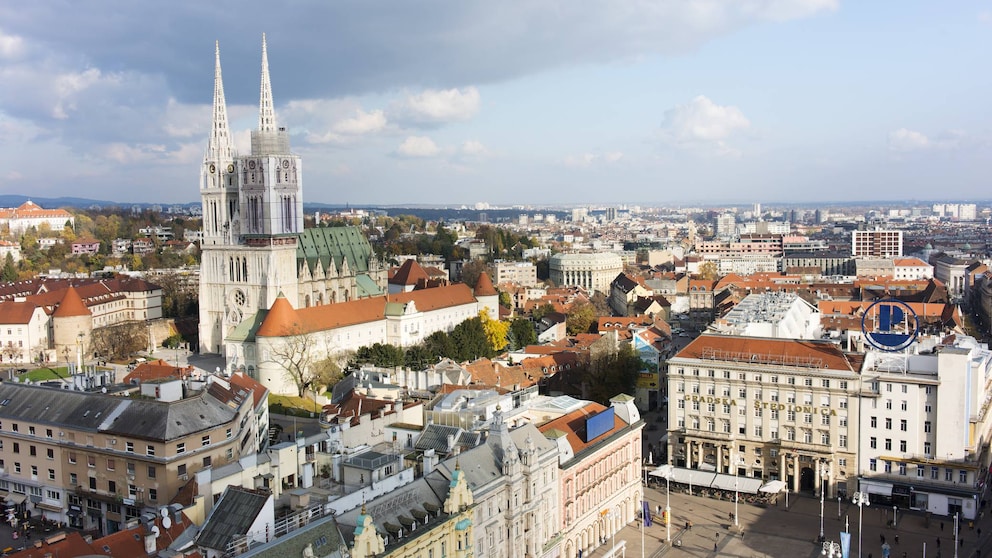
[252,217]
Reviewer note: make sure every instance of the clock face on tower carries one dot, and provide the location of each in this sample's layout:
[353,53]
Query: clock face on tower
[213,168]
[230,167]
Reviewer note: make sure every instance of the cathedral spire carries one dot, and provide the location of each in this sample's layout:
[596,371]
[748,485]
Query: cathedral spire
[219,149]
[266,113]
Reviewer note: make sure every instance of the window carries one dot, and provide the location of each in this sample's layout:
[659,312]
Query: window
[888,424]
[927,408]
[842,402]
[926,427]
[825,420]
[48,433]
[34,471]
[872,464]
[888,387]
[206,461]
[873,442]
[842,440]
[111,465]
[181,447]
[711,407]
[31,430]
[726,409]
[51,474]
[758,431]
[774,379]
[774,414]
[902,446]
[152,494]
[72,458]
[808,382]
[150,450]
[151,471]
[888,444]
[130,469]
[825,438]
[181,469]
[230,451]
[842,421]
[757,412]
[826,383]
[904,405]
[17,447]
[934,471]
[808,436]
[73,479]
[742,392]
[92,483]
[229,433]
[50,453]
[112,487]
[962,477]
[903,425]
[808,418]
[888,404]
[91,461]
[790,415]
[33,451]
[791,381]
[929,390]
[205,441]
[843,384]
[948,474]
[919,471]
[905,388]
[874,422]
[129,447]
[902,469]
[842,461]
[888,466]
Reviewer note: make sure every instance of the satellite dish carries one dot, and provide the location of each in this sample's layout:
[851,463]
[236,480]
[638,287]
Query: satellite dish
[103,390]
[155,530]
[166,521]
[163,511]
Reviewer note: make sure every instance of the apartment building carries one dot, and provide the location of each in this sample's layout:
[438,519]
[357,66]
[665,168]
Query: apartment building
[96,460]
[876,243]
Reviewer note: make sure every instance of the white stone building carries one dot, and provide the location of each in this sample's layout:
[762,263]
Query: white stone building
[592,271]
[774,314]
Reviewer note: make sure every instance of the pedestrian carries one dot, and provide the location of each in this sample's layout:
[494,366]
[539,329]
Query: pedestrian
[938,542]
[942,526]
[979,532]
[687,525]
[742,534]
[714,547]
[897,538]
[961,541]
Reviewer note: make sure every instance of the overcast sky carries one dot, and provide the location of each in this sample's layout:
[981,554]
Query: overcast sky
[509,101]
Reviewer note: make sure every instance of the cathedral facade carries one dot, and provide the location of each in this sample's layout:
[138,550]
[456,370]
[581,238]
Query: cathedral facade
[254,245]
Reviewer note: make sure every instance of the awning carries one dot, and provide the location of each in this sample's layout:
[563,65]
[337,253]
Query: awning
[875,487]
[726,482]
[692,476]
[749,485]
[15,498]
[48,507]
[772,487]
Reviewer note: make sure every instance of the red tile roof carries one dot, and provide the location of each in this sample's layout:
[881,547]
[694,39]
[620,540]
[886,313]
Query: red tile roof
[574,426]
[484,287]
[16,312]
[156,370]
[71,305]
[409,273]
[798,352]
[258,391]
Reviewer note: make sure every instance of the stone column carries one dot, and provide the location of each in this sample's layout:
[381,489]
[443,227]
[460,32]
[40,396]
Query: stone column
[719,459]
[817,470]
[702,454]
[795,472]
[783,471]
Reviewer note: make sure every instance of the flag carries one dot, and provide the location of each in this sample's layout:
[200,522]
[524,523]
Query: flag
[647,512]
[845,544]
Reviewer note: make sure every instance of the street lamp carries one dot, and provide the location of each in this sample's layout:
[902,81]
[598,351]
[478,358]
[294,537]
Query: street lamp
[831,549]
[822,471]
[666,471]
[860,499]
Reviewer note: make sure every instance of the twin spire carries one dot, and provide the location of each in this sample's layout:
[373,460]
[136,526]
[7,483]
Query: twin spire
[220,147]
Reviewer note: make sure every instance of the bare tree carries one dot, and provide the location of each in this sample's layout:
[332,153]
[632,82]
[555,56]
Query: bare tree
[119,341]
[11,352]
[296,354]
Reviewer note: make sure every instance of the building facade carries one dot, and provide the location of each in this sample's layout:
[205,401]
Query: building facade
[876,243]
[772,409]
[592,271]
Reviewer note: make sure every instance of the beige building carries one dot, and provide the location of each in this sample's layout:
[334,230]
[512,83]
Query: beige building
[769,409]
[518,273]
[97,460]
[592,271]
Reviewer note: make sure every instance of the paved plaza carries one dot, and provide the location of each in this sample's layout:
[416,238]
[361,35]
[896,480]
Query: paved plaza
[775,531]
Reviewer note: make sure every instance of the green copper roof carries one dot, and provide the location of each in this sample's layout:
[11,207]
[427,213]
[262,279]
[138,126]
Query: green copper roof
[321,244]
[247,328]
[366,286]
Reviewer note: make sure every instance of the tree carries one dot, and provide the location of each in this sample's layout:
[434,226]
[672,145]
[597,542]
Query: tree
[495,330]
[522,333]
[9,271]
[708,271]
[328,373]
[295,354]
[611,374]
[11,352]
[470,341]
[542,311]
[505,299]
[601,303]
[471,272]
[180,298]
[119,341]
[580,317]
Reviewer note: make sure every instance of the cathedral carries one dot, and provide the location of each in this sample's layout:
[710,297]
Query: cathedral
[254,245]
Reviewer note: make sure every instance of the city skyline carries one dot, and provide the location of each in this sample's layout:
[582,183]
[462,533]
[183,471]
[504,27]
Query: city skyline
[522,103]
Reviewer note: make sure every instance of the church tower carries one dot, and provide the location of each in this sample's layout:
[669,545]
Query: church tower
[252,216]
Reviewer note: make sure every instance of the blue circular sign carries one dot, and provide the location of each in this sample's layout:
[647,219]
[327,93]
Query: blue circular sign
[895,325]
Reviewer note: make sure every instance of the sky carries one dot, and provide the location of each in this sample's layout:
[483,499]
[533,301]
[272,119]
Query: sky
[532,102]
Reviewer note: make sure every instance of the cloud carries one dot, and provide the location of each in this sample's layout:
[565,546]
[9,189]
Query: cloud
[905,140]
[474,149]
[418,146]
[432,107]
[11,46]
[704,125]
[362,123]
[590,159]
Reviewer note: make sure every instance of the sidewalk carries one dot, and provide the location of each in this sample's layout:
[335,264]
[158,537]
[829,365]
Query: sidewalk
[775,532]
